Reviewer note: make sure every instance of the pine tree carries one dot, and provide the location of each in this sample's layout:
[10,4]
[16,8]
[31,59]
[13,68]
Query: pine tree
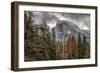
[86,48]
[84,40]
[36,46]
[80,47]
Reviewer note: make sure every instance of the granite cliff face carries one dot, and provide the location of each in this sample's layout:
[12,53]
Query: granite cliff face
[64,29]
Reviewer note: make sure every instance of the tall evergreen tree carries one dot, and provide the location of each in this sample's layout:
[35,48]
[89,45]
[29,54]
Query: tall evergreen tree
[86,48]
[80,47]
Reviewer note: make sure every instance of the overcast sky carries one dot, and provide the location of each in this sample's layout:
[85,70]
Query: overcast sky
[81,20]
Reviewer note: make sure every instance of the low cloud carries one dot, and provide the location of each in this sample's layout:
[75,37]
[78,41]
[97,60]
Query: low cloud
[51,18]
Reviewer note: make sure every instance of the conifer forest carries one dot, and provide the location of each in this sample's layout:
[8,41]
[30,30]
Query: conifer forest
[56,36]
